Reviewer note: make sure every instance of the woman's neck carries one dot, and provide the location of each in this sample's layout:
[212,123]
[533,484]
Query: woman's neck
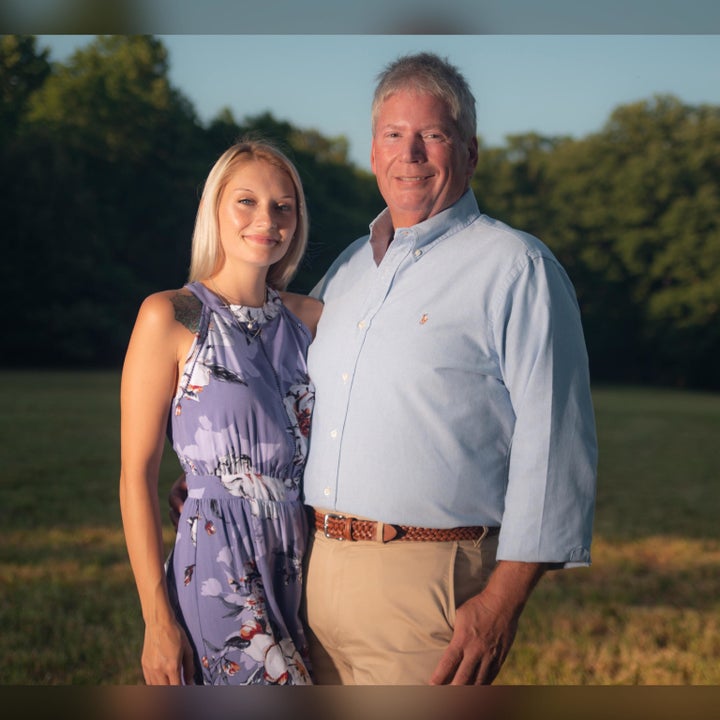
[250,292]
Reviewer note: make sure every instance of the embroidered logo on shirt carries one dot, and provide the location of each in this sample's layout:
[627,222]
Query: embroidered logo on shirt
[423,319]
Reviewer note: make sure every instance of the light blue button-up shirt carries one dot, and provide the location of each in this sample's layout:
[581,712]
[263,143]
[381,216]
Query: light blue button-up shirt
[452,387]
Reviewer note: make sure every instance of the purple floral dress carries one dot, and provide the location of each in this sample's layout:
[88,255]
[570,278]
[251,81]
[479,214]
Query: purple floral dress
[239,424]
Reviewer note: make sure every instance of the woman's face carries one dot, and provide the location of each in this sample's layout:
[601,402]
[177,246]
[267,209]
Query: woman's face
[257,214]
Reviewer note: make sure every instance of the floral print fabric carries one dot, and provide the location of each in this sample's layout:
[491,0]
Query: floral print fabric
[239,424]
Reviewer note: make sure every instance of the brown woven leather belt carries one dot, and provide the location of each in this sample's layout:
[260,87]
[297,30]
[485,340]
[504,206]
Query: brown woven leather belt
[341,527]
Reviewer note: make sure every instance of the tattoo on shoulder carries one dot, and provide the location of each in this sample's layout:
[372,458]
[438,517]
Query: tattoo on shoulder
[187,310]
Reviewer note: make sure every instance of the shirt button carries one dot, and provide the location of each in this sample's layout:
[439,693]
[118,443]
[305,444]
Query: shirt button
[345,377]
[418,253]
[361,324]
[326,492]
[333,433]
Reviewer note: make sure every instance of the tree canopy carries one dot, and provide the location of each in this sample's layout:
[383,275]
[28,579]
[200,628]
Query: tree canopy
[632,213]
[103,162]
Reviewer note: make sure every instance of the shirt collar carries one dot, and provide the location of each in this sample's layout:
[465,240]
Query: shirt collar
[435,228]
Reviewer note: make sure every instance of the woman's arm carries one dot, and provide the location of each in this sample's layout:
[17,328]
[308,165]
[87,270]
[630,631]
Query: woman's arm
[157,346]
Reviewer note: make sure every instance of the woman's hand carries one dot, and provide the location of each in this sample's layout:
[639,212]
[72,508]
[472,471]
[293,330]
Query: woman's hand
[167,656]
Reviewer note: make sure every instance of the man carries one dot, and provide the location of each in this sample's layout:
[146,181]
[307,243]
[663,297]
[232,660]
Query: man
[453,448]
[452,390]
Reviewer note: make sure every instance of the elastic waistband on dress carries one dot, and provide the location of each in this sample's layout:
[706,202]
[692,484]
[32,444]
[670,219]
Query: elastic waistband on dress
[253,486]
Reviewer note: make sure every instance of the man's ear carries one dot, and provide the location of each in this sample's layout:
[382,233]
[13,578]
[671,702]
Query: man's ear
[473,154]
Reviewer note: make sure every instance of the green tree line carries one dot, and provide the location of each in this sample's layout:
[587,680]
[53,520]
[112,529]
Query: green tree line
[103,161]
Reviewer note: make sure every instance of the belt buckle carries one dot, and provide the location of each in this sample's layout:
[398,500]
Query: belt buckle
[327,517]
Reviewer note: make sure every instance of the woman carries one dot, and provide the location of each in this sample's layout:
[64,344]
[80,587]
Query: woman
[220,366]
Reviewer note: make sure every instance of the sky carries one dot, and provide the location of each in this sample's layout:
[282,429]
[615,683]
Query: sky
[561,84]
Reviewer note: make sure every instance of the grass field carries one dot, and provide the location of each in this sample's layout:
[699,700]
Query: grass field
[646,613]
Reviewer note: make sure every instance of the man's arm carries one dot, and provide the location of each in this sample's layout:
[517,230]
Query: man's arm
[485,626]
[176,499]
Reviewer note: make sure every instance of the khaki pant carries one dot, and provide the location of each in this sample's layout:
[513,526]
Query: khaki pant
[383,614]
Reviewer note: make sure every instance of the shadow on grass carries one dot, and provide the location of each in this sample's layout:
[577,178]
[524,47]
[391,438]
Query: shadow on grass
[660,571]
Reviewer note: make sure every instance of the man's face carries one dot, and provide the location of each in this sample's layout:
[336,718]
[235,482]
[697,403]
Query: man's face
[421,164]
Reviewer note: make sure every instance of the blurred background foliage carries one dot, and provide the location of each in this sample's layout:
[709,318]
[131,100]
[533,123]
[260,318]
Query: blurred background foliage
[103,162]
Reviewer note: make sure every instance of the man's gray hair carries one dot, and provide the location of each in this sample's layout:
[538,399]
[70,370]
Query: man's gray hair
[428,73]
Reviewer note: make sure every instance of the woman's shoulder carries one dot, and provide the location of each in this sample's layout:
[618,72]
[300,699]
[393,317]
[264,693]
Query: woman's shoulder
[172,306]
[306,308]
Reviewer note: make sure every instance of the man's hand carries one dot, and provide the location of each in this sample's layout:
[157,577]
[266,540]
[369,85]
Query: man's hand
[485,626]
[176,500]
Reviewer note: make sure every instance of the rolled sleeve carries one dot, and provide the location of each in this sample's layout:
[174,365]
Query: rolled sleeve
[550,496]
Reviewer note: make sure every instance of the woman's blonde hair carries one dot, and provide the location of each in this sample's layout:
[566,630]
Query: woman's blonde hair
[207,253]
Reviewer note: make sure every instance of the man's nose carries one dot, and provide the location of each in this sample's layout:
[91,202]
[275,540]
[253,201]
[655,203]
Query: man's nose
[413,149]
